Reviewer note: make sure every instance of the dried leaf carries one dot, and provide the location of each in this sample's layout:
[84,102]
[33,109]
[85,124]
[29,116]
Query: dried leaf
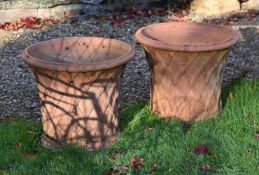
[231,95]
[28,154]
[121,168]
[201,149]
[150,129]
[18,145]
[249,117]
[191,166]
[2,168]
[100,30]
[114,155]
[8,118]
[206,167]
[29,22]
[32,132]
[154,167]
[251,11]
[110,172]
[136,163]
[250,18]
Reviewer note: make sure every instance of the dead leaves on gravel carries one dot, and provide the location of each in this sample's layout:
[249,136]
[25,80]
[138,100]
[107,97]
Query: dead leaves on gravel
[29,23]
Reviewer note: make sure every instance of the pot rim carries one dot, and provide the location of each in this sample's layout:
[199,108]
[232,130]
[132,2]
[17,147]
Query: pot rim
[224,44]
[79,67]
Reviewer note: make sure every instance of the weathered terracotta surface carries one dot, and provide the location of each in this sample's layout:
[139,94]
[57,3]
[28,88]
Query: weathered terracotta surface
[186,67]
[78,81]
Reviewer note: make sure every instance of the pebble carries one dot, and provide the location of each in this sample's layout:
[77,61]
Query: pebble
[17,86]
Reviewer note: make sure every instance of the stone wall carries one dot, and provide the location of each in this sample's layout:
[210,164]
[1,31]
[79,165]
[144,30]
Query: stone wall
[14,9]
[221,7]
[251,4]
[214,7]
[32,4]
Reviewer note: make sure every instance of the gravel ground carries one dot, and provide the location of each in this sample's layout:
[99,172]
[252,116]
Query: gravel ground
[18,94]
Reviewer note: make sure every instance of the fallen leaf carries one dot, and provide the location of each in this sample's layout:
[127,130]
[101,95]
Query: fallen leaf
[114,155]
[32,132]
[18,145]
[100,30]
[191,166]
[2,169]
[8,118]
[226,23]
[250,18]
[231,95]
[206,167]
[29,22]
[136,163]
[28,154]
[110,172]
[201,149]
[154,167]
[249,117]
[150,129]
[120,168]
[31,19]
[251,11]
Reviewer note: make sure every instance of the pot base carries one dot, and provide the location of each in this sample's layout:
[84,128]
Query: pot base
[53,144]
[216,114]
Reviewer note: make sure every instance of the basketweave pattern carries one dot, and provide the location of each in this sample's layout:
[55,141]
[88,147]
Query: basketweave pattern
[80,108]
[185,85]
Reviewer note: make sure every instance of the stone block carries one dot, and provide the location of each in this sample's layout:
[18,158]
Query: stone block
[214,7]
[32,4]
[251,4]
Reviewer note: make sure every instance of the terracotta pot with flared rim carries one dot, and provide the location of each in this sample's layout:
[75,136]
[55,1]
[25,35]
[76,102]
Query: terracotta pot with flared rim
[78,80]
[186,67]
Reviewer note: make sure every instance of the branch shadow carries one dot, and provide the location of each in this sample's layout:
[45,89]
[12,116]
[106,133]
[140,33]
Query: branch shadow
[78,107]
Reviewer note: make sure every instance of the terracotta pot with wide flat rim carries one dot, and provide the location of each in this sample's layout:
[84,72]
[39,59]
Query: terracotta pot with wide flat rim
[186,67]
[78,80]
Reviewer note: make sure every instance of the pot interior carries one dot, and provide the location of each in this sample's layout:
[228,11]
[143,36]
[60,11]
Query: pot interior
[78,50]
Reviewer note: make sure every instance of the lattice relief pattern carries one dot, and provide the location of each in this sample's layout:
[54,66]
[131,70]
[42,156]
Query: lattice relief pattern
[185,85]
[80,108]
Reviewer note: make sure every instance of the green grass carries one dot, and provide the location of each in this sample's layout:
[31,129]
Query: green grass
[230,138]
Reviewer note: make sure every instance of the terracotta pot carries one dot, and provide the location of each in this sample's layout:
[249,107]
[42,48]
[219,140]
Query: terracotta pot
[186,67]
[78,80]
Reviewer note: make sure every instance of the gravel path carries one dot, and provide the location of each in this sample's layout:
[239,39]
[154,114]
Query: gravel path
[18,94]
